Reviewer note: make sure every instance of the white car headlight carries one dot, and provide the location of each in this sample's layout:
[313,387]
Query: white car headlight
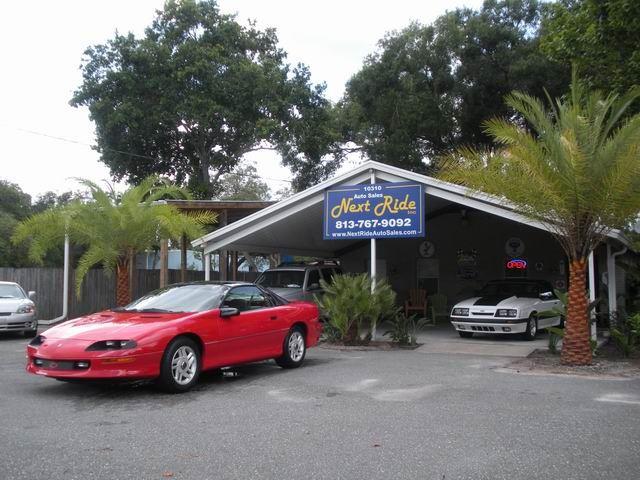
[460,312]
[507,312]
[26,309]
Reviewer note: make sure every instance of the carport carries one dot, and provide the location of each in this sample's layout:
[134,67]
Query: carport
[470,238]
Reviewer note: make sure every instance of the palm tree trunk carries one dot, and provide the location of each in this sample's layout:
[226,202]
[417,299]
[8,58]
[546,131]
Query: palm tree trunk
[123,296]
[576,347]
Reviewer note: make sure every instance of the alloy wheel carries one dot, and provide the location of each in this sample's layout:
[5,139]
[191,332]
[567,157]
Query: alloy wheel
[184,365]
[296,346]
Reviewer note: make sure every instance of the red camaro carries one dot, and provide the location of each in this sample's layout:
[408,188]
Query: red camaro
[174,333]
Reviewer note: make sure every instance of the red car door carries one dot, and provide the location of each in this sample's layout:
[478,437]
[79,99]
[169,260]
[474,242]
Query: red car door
[250,334]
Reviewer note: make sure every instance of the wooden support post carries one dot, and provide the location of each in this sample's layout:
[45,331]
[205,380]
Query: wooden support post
[183,259]
[234,265]
[224,254]
[164,262]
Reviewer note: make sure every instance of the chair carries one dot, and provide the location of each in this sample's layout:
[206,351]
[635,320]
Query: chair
[438,306]
[417,302]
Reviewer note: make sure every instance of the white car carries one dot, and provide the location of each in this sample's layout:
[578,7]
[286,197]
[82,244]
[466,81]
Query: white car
[17,310]
[509,306]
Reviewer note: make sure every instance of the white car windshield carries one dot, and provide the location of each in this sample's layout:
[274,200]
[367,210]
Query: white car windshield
[11,291]
[282,279]
[179,298]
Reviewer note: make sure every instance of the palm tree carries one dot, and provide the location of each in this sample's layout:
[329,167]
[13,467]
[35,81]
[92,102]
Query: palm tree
[573,166]
[112,228]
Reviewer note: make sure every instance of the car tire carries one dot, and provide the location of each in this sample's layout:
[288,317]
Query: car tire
[294,349]
[532,329]
[561,324]
[180,366]
[465,334]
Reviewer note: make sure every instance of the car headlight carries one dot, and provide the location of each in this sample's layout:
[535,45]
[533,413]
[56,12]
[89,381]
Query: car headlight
[26,309]
[460,312]
[507,312]
[112,345]
[37,341]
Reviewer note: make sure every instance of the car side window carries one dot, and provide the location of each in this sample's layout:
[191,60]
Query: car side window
[313,280]
[245,299]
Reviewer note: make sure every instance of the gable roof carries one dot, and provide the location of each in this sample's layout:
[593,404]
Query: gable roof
[235,232]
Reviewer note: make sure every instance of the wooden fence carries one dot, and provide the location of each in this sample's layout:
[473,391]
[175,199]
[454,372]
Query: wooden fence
[98,288]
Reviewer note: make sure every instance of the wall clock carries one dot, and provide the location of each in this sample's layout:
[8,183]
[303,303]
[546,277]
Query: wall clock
[427,249]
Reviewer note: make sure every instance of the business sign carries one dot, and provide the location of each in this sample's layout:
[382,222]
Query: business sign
[381,210]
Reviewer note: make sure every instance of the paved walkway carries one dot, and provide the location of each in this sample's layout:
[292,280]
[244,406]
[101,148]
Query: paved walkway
[443,338]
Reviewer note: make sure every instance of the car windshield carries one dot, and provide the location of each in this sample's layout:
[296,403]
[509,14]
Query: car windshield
[179,298]
[10,291]
[282,279]
[518,289]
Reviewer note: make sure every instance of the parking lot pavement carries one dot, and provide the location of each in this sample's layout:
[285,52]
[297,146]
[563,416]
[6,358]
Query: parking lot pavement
[344,415]
[443,338]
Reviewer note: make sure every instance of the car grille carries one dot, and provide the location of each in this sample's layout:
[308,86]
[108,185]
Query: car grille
[57,364]
[482,328]
[5,314]
[14,325]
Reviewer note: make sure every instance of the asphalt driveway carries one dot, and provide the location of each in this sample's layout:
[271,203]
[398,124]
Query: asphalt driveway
[345,415]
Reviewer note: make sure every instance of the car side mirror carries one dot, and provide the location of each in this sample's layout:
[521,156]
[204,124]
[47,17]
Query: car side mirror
[314,286]
[226,312]
[32,295]
[546,295]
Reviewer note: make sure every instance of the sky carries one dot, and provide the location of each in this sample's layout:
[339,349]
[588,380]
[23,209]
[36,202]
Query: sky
[46,142]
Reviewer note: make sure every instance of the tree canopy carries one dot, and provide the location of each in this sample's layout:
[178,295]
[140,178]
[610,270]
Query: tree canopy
[112,228]
[15,206]
[244,183]
[576,170]
[196,93]
[429,88]
[599,36]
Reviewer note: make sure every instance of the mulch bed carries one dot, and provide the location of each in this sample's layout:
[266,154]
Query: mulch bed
[607,363]
[371,346]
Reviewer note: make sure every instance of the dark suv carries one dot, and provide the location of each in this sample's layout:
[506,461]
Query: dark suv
[298,281]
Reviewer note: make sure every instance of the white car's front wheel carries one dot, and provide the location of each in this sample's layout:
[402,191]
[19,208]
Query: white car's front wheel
[532,328]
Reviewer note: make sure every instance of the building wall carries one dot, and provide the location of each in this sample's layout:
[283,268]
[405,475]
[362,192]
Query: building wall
[458,242]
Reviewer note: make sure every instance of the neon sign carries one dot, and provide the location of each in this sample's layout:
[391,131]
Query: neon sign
[516,264]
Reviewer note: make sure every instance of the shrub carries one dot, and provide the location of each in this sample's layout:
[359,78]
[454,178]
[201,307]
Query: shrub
[627,338]
[352,309]
[403,329]
[555,335]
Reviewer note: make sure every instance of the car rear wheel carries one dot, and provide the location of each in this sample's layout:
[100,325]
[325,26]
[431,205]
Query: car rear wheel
[294,349]
[465,334]
[532,328]
[180,367]
[561,324]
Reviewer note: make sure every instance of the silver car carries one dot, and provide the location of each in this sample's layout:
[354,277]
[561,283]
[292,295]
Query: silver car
[17,310]
[298,281]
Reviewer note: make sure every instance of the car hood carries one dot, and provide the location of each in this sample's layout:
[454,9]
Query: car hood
[11,304]
[111,325]
[501,301]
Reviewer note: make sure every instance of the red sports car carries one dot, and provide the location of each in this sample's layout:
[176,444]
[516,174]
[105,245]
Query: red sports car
[174,333]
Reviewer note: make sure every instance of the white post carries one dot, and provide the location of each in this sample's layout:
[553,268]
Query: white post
[207,267]
[592,295]
[611,282]
[373,261]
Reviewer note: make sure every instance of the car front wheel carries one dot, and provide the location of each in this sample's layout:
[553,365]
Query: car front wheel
[294,349]
[180,367]
[532,328]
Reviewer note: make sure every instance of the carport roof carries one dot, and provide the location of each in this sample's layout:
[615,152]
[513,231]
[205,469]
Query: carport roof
[293,226]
